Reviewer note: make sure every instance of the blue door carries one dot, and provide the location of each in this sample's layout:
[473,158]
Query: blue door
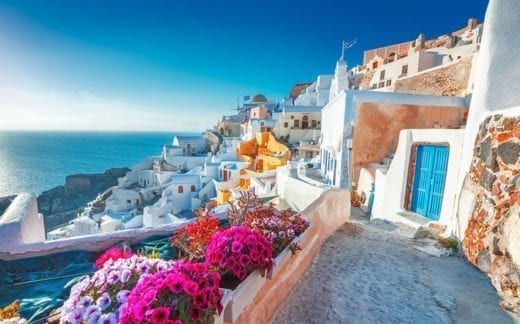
[429,177]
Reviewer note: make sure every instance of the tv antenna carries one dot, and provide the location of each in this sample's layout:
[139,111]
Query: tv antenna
[346,45]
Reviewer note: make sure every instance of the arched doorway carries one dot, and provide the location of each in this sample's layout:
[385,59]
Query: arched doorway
[305,122]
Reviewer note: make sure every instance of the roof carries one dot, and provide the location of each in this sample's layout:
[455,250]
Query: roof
[185,178]
[193,140]
[259,98]
[302,109]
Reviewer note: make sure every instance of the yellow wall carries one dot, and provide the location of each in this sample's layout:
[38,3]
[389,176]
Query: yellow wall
[274,153]
[223,196]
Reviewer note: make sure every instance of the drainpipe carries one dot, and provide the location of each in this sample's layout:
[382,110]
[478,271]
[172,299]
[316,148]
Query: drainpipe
[371,202]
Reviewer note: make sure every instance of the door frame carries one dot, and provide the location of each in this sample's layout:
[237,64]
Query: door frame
[407,204]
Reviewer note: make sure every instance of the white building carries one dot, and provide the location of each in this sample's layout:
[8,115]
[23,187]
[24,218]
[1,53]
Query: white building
[298,123]
[317,94]
[339,120]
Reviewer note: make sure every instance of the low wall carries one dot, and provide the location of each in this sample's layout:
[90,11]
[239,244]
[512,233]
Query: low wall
[92,243]
[298,193]
[21,223]
[326,214]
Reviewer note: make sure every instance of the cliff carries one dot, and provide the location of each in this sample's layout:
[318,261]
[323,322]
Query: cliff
[60,204]
[451,80]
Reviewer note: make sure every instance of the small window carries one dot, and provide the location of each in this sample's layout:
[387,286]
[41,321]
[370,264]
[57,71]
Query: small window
[128,201]
[381,84]
[382,75]
[296,123]
[261,123]
[313,123]
[374,86]
[192,188]
[286,125]
[388,83]
[180,189]
[404,69]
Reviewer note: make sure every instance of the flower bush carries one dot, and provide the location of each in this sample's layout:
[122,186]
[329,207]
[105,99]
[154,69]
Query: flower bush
[280,227]
[193,239]
[239,250]
[186,293]
[111,254]
[100,297]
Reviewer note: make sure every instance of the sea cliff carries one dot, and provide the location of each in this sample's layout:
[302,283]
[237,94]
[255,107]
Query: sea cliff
[60,204]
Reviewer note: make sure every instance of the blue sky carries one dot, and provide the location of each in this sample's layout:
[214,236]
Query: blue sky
[180,65]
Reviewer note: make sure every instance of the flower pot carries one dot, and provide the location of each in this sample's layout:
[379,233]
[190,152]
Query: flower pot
[286,255]
[243,295]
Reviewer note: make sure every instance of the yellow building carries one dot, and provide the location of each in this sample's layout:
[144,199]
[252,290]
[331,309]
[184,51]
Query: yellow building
[263,152]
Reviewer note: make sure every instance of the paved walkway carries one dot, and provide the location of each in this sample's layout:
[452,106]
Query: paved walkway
[375,274]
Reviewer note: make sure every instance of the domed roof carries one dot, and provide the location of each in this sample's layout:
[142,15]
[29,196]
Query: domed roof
[259,98]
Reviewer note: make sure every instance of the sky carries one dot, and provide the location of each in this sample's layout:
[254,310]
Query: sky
[180,65]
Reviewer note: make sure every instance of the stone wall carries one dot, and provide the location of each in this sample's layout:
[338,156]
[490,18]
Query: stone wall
[492,237]
[451,80]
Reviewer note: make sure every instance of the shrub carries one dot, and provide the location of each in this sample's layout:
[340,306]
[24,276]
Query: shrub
[239,250]
[193,239]
[279,227]
[185,293]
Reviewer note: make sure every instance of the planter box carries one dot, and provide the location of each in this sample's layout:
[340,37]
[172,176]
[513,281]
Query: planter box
[243,296]
[286,255]
[227,298]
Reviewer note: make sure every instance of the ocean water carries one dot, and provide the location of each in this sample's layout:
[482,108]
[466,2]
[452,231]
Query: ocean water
[38,161]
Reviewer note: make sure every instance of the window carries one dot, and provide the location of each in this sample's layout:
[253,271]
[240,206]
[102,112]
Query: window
[313,123]
[374,86]
[261,123]
[192,188]
[286,125]
[381,84]
[296,123]
[388,83]
[404,69]
[180,189]
[128,201]
[382,75]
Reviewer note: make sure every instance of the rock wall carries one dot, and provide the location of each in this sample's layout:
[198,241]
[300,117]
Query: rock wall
[492,237]
[59,204]
[451,80]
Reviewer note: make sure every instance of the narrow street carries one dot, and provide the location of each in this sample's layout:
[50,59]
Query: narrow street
[377,274]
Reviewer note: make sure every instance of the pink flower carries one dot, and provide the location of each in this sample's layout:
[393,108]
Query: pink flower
[160,315]
[237,247]
[111,254]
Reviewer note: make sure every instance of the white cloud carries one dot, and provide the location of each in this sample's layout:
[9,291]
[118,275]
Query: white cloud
[84,110]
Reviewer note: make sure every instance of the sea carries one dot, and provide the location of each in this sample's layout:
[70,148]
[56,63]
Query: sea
[35,161]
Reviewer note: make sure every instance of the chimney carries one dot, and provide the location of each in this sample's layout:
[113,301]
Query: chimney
[472,23]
